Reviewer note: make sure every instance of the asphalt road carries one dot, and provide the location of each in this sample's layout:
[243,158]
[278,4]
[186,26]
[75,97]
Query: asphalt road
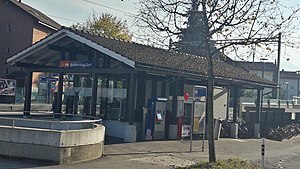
[166,154]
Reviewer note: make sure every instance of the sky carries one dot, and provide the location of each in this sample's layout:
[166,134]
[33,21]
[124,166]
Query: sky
[68,12]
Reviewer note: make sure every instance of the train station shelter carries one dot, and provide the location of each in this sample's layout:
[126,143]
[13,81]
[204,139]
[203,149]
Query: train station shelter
[113,79]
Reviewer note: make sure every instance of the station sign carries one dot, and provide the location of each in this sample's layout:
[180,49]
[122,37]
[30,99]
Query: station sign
[76,64]
[44,79]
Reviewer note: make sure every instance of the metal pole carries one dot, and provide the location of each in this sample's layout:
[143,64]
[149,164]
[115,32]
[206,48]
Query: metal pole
[192,125]
[263,72]
[28,90]
[203,136]
[287,90]
[278,65]
[262,165]
[261,110]
[298,73]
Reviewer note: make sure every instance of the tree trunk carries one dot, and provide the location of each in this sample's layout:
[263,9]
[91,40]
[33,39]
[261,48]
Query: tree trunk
[210,90]
[210,114]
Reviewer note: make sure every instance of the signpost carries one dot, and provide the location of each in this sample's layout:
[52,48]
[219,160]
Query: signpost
[200,96]
[192,125]
[262,163]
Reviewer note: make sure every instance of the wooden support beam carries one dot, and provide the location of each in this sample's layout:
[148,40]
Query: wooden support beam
[235,103]
[28,89]
[94,86]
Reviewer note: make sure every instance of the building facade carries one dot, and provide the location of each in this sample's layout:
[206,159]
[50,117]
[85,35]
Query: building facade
[20,27]
[266,70]
[289,81]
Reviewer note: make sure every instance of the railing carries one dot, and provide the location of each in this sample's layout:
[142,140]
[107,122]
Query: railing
[52,124]
[276,103]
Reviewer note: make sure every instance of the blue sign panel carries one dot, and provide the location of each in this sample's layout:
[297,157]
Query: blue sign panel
[199,92]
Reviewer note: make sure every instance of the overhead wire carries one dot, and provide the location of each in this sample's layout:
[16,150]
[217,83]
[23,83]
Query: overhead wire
[108,7]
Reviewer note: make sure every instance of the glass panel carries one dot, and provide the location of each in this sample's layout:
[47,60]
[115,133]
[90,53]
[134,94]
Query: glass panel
[111,99]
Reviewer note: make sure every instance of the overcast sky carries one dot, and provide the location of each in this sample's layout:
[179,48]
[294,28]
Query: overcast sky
[68,12]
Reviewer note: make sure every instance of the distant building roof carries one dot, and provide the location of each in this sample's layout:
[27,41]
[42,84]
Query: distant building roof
[37,14]
[269,66]
[288,75]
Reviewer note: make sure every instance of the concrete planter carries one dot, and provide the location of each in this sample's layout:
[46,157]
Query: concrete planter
[61,146]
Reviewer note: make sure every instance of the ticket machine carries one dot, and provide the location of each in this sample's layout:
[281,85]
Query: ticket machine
[183,116]
[155,119]
[192,107]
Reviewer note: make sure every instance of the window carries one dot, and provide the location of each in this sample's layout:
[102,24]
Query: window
[8,28]
[292,87]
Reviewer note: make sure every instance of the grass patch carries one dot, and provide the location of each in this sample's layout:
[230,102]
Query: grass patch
[232,163]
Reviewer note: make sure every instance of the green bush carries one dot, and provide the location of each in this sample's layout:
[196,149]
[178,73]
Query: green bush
[233,163]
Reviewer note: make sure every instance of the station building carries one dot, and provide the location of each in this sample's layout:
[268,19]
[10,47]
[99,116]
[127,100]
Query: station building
[121,81]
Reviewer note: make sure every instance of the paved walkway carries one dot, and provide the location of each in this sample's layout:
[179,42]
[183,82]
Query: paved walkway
[166,154]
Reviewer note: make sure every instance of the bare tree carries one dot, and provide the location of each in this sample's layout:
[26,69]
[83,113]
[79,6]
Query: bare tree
[247,21]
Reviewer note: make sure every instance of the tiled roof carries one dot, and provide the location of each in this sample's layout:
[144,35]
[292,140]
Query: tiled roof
[37,14]
[156,57]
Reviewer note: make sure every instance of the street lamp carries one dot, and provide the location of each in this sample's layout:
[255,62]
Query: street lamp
[287,89]
[298,73]
[264,66]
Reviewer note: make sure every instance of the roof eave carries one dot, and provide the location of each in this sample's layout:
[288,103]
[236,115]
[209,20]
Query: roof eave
[63,33]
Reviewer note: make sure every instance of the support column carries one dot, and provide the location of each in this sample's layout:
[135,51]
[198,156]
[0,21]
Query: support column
[130,130]
[106,64]
[258,110]
[154,88]
[130,98]
[235,104]
[106,84]
[60,85]
[228,103]
[94,94]
[28,88]
[86,101]
[234,126]
[60,91]
[174,94]
[76,95]
[261,122]
[140,101]
[163,89]
[180,89]
[258,106]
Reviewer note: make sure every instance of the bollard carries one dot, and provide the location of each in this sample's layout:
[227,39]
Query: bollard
[262,163]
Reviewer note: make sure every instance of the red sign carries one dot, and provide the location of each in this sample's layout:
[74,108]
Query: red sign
[76,64]
[186,96]
[64,63]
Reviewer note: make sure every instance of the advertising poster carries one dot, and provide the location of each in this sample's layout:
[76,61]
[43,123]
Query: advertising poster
[7,87]
[185,131]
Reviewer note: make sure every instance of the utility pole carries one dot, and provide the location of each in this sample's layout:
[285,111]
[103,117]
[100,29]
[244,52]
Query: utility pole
[278,65]
[298,75]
